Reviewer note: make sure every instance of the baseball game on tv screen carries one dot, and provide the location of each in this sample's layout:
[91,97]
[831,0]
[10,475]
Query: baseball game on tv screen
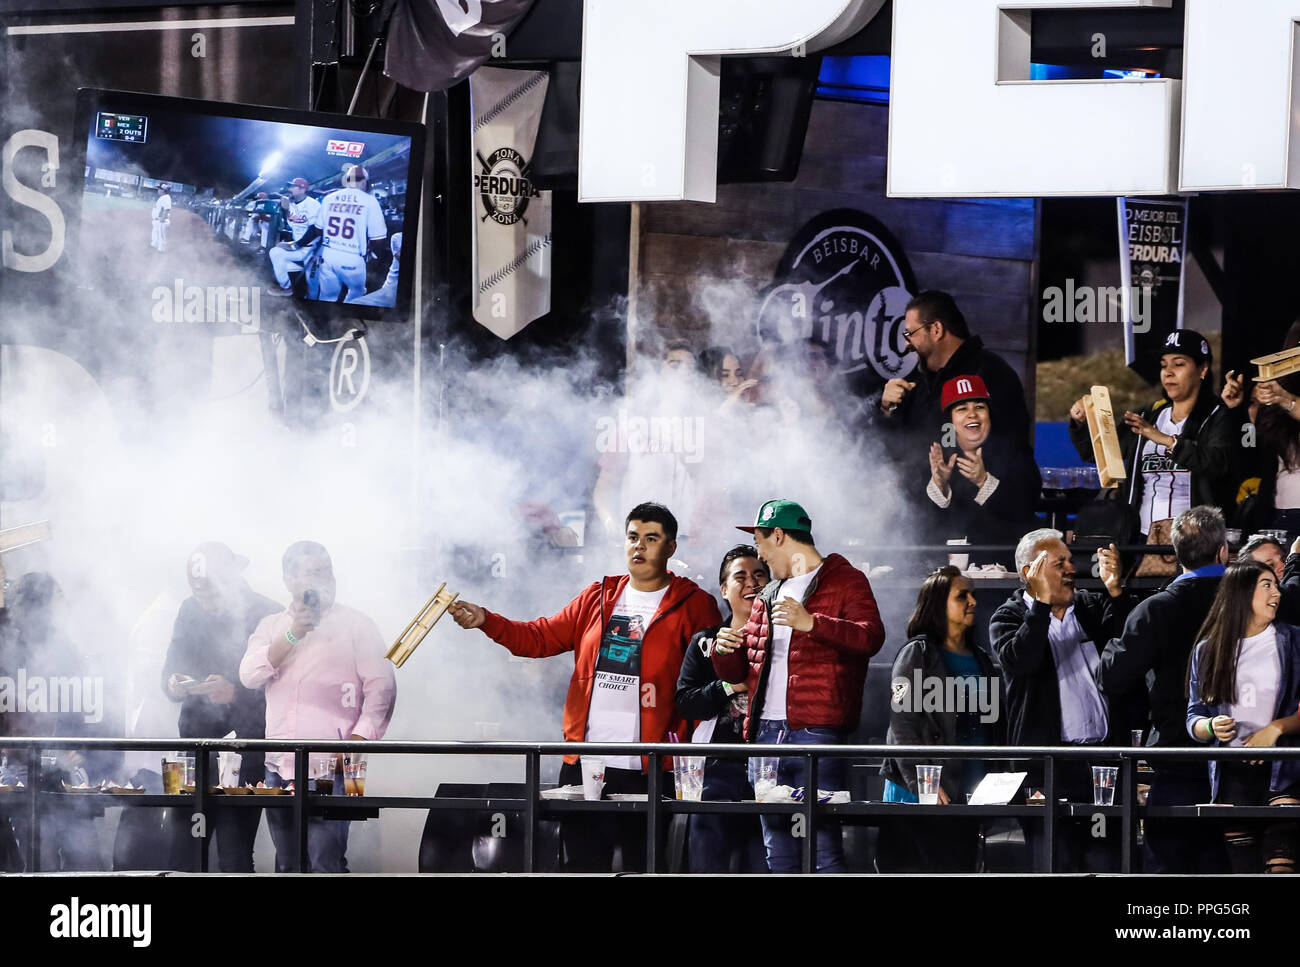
[208,210]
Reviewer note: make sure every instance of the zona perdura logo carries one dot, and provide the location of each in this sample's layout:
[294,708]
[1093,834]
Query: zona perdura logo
[503,186]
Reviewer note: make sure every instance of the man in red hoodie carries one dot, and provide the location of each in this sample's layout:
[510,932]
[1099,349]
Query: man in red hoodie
[803,654]
[628,634]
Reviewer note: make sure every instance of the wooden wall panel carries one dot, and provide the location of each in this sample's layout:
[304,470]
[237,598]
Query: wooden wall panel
[701,263]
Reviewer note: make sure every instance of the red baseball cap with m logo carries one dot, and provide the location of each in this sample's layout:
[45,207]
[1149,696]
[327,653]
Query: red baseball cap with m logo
[960,389]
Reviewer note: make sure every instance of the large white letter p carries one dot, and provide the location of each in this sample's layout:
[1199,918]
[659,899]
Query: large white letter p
[649,126]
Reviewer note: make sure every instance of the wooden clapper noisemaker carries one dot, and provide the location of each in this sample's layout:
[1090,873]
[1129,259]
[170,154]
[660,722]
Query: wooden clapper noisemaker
[1278,365]
[421,625]
[1105,438]
[16,538]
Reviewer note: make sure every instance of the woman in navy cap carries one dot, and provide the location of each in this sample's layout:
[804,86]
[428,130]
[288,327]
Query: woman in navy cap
[1178,452]
[982,488]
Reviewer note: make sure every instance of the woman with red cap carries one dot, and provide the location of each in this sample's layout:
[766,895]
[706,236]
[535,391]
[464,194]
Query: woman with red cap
[981,488]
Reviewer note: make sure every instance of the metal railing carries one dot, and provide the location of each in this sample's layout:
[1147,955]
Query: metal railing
[533,807]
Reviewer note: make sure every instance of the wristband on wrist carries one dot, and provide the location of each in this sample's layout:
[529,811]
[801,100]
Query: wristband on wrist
[289,636]
[726,687]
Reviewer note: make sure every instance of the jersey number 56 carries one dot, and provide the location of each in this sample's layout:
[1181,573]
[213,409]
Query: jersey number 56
[342,227]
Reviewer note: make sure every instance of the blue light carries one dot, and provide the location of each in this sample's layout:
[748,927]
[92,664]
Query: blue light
[863,79]
[1086,72]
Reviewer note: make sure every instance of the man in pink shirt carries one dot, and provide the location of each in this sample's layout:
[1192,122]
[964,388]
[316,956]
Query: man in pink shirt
[323,667]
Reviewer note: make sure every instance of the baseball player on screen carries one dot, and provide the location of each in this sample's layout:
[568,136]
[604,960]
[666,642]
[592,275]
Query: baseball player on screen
[386,294]
[256,221]
[300,211]
[162,214]
[350,221]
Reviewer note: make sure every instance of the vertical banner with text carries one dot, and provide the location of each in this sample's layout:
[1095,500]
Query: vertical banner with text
[511,219]
[1152,252]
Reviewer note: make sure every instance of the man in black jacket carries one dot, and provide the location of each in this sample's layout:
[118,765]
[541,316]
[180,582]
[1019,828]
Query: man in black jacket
[719,708]
[937,332]
[202,672]
[1048,640]
[1150,660]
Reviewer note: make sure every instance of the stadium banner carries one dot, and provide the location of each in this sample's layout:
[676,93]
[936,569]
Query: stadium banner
[844,283]
[510,218]
[1152,253]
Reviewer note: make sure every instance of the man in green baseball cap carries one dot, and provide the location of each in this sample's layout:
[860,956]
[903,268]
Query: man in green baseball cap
[803,655]
[785,514]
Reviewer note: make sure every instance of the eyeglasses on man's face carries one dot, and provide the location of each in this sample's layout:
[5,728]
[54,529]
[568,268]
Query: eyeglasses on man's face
[909,333]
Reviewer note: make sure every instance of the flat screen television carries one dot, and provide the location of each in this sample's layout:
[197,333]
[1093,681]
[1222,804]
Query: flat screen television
[200,211]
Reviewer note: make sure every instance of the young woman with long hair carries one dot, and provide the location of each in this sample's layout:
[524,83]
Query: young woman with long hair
[1243,686]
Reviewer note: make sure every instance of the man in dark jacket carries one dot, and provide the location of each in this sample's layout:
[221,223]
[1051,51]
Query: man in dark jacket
[1048,639]
[719,709]
[937,332]
[804,658]
[1150,659]
[201,671]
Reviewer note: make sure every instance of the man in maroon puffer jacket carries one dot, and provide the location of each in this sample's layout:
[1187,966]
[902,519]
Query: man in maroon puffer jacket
[803,654]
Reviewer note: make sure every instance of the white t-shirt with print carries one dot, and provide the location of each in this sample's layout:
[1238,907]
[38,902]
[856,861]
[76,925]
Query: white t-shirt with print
[615,711]
[1166,487]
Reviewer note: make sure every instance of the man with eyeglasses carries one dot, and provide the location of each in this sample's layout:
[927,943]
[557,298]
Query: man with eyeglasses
[936,331]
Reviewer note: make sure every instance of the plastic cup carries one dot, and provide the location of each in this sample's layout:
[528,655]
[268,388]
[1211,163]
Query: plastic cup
[593,777]
[354,774]
[322,772]
[927,784]
[763,775]
[1234,537]
[691,778]
[228,764]
[173,774]
[1103,785]
[1136,736]
[959,561]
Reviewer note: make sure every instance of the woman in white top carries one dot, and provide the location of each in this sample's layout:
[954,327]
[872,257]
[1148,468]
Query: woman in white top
[1242,691]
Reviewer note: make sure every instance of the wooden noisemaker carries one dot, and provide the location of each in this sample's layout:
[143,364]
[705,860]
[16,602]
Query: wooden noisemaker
[1277,365]
[1105,438]
[421,625]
